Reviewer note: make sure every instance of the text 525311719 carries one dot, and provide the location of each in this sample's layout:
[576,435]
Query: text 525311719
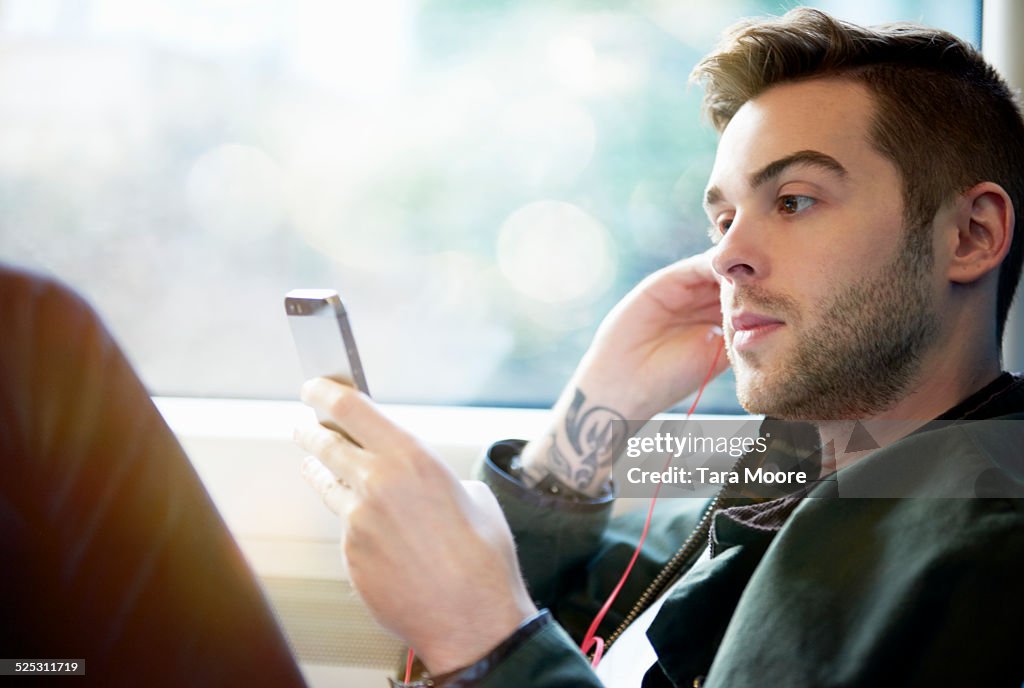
[42,667]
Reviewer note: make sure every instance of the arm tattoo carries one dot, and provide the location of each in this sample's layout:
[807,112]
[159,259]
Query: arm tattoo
[595,436]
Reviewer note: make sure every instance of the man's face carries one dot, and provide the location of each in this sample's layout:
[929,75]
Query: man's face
[827,306]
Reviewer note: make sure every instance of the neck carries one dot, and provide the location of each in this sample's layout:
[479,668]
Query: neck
[937,387]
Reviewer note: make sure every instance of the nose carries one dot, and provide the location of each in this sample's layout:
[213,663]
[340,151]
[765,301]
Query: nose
[739,257]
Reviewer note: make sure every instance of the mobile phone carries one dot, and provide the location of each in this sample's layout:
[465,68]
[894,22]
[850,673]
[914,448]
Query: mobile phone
[324,340]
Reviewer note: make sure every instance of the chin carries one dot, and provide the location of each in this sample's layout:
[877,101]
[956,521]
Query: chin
[755,404]
[761,393]
[752,390]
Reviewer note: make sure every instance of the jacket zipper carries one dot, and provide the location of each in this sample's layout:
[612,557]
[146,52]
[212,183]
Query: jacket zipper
[670,571]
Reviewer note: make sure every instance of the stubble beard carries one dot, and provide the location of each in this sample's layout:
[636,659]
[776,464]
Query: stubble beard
[862,354]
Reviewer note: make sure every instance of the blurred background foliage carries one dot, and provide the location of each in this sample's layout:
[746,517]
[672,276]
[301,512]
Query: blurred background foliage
[480,179]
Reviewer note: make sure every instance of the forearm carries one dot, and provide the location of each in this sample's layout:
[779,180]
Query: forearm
[588,429]
[652,350]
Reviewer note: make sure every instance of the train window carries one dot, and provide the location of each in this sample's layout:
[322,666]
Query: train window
[480,181]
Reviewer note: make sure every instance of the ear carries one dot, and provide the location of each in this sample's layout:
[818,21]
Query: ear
[984,223]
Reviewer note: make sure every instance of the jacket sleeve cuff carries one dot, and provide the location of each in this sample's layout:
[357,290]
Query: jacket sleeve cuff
[538,654]
[474,673]
[497,471]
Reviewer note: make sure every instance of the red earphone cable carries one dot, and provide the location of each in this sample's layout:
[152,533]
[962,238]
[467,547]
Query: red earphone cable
[408,666]
[591,640]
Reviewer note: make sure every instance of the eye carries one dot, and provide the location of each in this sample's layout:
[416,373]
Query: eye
[718,229]
[791,205]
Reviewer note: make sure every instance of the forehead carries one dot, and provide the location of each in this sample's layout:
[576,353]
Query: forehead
[832,116]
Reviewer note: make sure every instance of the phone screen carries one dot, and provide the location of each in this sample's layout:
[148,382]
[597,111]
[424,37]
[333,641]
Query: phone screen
[323,337]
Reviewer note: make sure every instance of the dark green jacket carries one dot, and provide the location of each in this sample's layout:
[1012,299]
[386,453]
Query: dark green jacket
[919,590]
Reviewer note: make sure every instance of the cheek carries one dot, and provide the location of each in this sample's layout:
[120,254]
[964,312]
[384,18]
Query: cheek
[826,268]
[818,297]
[820,282]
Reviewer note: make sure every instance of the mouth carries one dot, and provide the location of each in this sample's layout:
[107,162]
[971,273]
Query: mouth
[752,329]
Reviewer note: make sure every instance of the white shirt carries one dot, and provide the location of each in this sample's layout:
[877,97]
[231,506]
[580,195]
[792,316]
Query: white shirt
[632,654]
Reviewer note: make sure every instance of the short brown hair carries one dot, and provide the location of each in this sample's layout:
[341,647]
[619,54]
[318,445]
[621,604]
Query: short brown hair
[944,116]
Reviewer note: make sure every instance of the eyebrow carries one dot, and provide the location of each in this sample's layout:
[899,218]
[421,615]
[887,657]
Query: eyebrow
[773,169]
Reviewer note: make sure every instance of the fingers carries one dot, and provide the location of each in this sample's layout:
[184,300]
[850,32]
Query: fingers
[355,413]
[684,286]
[710,313]
[692,270]
[338,498]
[682,306]
[342,459]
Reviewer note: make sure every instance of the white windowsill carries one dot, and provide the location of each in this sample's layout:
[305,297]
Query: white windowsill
[244,454]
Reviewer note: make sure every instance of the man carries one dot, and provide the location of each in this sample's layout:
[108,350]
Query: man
[867,249]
